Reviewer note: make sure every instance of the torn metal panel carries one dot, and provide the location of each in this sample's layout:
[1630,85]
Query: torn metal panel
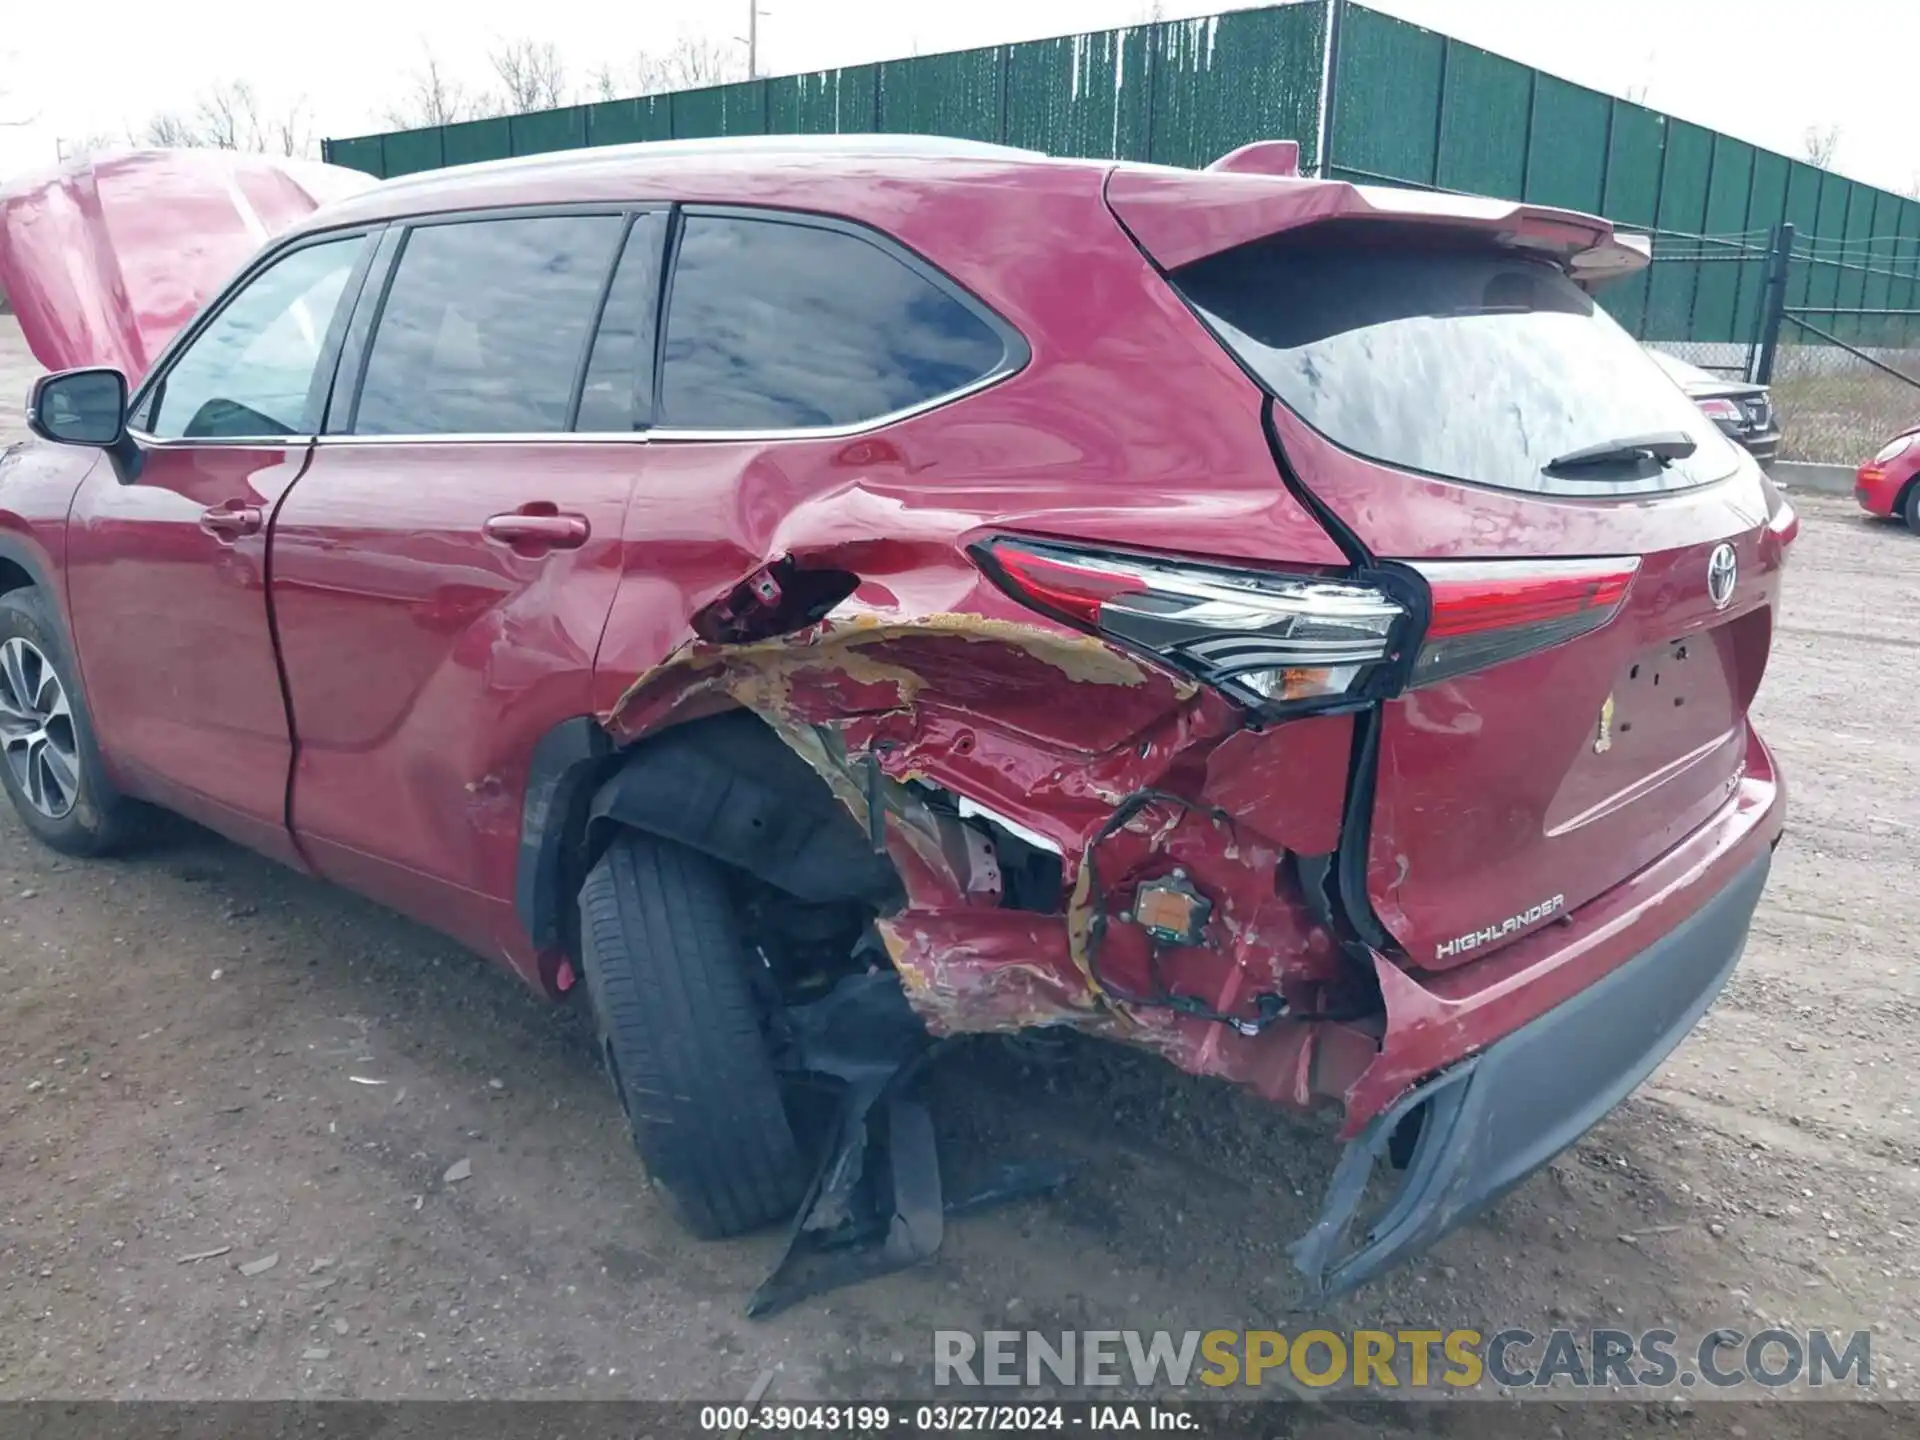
[1050,731]
[1008,970]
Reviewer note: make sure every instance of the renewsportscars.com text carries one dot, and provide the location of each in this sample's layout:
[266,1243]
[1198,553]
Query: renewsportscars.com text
[1404,1359]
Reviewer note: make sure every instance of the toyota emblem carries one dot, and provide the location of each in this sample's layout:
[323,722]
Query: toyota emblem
[1723,568]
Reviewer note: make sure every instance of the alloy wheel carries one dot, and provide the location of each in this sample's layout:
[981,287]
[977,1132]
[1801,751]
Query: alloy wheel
[36,729]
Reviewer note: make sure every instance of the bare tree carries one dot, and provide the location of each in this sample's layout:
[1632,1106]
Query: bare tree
[168,131]
[1821,145]
[434,99]
[228,117]
[532,76]
[98,142]
[687,65]
[604,84]
[289,133]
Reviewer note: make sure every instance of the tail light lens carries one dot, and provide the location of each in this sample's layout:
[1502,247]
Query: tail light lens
[1270,641]
[1484,613]
[1724,410]
[1288,643]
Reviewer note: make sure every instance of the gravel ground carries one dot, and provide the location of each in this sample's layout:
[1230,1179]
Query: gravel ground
[201,1052]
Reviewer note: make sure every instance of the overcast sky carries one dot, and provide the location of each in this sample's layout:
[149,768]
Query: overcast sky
[1764,70]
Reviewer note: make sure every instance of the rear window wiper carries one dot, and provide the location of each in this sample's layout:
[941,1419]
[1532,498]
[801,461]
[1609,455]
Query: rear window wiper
[1665,446]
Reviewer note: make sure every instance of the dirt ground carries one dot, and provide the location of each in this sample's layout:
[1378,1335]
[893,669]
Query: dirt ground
[201,1052]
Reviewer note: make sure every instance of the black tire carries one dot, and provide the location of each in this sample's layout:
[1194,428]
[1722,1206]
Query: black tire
[1910,510]
[681,1035]
[98,820]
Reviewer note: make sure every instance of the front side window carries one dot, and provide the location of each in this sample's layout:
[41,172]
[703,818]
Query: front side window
[485,325]
[250,373]
[774,325]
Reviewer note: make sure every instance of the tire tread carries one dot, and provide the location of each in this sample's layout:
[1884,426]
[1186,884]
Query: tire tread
[681,1029]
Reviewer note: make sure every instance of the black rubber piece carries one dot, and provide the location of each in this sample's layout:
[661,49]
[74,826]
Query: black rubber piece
[1910,511]
[680,1032]
[102,820]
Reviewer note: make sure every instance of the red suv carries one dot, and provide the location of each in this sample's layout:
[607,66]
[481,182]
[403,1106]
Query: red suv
[1281,624]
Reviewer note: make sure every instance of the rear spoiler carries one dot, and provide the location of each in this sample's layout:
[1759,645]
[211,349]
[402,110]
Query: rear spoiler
[1179,216]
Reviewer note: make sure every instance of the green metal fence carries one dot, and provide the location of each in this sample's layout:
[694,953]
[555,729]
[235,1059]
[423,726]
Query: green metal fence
[1413,107]
[1389,101]
[1178,92]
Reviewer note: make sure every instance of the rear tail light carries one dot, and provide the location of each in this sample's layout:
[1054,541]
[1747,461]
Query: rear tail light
[1484,613]
[1722,410]
[1270,641]
[1288,643]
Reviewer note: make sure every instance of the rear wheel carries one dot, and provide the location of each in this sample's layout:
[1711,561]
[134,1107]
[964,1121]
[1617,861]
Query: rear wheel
[48,762]
[680,1030]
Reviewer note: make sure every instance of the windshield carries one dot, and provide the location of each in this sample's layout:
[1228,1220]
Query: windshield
[1457,361]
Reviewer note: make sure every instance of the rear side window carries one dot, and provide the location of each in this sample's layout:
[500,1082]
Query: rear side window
[1461,362]
[484,326]
[775,325]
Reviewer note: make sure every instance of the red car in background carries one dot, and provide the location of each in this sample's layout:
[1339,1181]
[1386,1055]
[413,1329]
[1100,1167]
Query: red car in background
[1889,483]
[1280,624]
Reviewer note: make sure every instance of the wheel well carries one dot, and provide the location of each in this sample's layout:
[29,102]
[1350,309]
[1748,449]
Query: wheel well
[731,788]
[13,577]
[1906,494]
[725,785]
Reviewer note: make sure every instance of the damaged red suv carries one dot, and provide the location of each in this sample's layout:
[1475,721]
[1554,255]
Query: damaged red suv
[1281,624]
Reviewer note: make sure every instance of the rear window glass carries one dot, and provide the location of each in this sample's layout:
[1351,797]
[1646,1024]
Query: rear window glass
[1460,362]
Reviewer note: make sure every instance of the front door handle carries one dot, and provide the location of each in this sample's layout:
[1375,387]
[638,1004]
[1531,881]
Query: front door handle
[230,519]
[537,528]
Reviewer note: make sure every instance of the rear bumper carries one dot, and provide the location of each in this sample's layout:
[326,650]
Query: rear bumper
[1491,1121]
[1516,1056]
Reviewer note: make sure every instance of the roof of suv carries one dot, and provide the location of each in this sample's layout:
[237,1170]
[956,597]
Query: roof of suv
[932,185]
[631,171]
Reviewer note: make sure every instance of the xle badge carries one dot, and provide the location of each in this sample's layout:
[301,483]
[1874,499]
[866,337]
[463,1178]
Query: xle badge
[1603,742]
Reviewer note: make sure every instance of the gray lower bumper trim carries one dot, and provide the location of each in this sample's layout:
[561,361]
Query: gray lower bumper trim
[1494,1119]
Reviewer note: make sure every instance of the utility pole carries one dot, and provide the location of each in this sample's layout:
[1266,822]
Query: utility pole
[754,12]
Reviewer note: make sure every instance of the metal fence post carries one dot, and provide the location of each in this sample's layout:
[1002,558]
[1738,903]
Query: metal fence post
[1773,303]
[1329,91]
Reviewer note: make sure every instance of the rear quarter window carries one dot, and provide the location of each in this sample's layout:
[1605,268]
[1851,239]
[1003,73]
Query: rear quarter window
[778,324]
[1450,359]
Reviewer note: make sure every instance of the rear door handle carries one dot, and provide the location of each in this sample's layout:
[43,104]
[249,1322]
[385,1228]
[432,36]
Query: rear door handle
[536,529]
[230,520]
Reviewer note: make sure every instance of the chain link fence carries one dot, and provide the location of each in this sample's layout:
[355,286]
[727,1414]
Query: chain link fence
[1727,361]
[1839,405]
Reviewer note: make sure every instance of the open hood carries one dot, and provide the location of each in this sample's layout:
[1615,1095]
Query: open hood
[105,259]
